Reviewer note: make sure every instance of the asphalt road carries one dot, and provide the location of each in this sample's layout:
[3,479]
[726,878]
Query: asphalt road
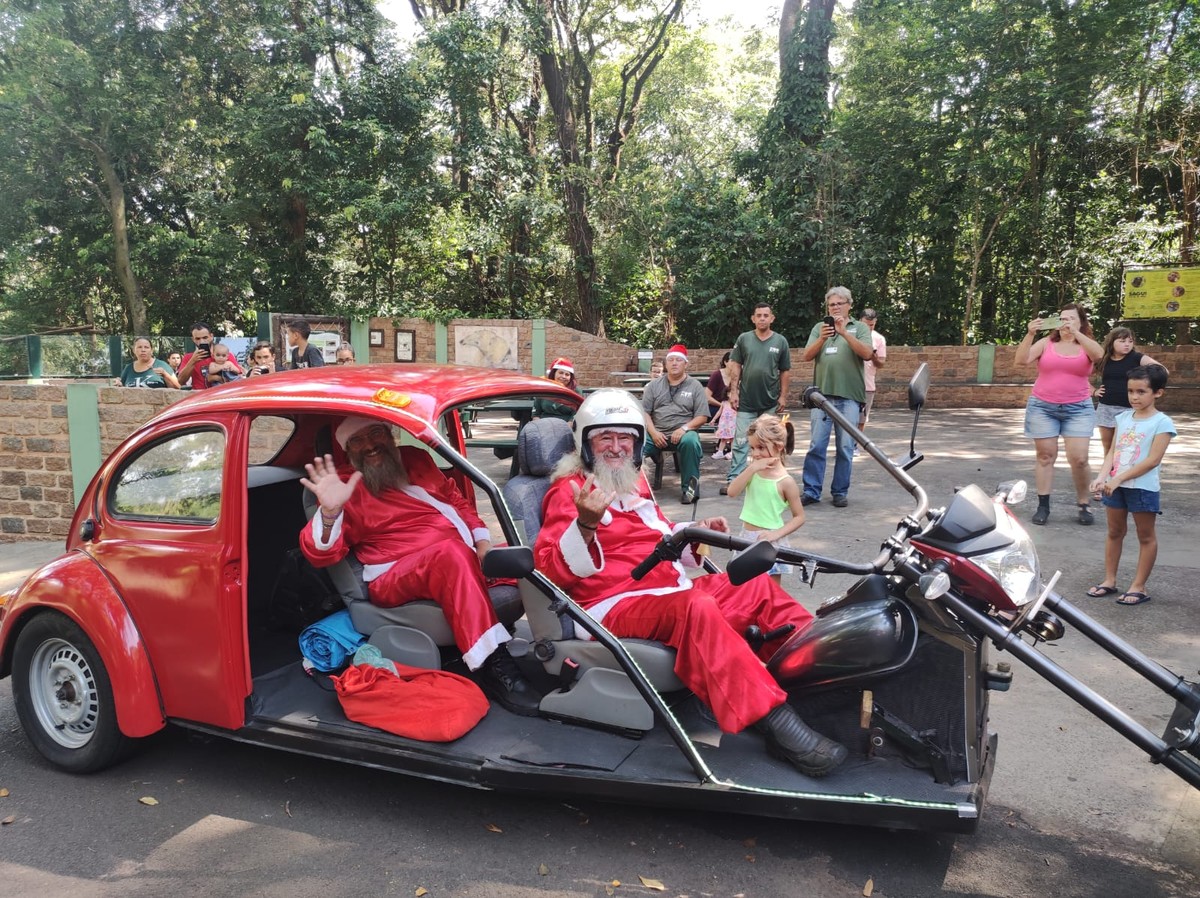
[1074,810]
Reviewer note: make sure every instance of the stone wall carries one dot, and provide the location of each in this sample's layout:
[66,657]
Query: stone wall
[955,375]
[37,482]
[37,497]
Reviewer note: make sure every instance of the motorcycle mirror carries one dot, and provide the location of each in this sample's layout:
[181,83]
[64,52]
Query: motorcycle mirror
[758,559]
[918,387]
[508,561]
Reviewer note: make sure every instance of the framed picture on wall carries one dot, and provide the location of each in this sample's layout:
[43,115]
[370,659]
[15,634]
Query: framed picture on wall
[375,336]
[406,346]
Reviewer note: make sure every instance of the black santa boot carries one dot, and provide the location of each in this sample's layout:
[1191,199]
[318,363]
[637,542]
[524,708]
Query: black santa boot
[502,680]
[791,739]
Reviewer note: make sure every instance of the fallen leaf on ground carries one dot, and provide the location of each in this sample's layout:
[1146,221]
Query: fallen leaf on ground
[7,820]
[146,799]
[543,870]
[492,828]
[3,793]
[421,890]
[287,808]
[652,884]
[869,888]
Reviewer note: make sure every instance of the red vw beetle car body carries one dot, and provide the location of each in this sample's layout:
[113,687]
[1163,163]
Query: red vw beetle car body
[162,591]
[160,611]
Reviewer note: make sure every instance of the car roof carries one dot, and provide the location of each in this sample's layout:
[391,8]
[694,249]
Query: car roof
[422,391]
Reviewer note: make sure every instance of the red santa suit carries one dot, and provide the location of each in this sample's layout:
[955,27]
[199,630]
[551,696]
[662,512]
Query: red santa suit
[702,619]
[417,543]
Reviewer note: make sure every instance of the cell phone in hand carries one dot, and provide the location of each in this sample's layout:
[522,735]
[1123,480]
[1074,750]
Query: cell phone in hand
[204,348]
[1051,324]
[831,321]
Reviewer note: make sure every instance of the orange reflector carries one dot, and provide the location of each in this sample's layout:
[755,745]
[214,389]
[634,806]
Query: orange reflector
[391,397]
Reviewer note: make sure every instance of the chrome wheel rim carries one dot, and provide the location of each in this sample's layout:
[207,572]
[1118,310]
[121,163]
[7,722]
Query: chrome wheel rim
[63,693]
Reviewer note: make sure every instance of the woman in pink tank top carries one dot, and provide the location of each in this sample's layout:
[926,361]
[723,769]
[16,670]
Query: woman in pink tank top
[1060,404]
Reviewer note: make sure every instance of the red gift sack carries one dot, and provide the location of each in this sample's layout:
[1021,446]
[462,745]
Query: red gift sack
[430,705]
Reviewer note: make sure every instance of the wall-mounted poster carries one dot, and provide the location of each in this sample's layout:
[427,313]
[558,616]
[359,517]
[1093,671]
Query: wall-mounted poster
[406,346]
[1161,292]
[486,346]
[375,336]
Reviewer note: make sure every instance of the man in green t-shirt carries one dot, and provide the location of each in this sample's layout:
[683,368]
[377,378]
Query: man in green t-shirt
[839,350]
[760,369]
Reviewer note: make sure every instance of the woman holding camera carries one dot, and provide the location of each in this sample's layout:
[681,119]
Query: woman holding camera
[1060,404]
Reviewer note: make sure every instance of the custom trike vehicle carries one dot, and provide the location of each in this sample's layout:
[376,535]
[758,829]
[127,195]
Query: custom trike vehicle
[180,598]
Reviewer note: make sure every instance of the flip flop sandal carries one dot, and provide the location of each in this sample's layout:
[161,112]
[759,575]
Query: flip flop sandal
[1139,598]
[1085,515]
[1099,591]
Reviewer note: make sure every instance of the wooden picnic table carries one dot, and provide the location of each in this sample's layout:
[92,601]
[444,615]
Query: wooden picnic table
[521,411]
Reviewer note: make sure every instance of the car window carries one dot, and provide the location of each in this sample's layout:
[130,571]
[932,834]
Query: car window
[268,435]
[177,479]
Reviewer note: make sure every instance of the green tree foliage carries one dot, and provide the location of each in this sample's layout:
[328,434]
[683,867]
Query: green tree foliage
[961,166]
[1004,147]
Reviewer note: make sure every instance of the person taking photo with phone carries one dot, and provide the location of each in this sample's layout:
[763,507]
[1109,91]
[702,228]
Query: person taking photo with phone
[1060,404]
[194,369]
[837,345]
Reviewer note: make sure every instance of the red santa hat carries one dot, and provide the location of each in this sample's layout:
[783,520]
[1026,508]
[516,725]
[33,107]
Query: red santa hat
[562,363]
[352,425]
[677,351]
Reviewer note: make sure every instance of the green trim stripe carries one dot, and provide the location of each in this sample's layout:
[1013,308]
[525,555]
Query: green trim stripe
[986,370]
[83,433]
[441,342]
[537,355]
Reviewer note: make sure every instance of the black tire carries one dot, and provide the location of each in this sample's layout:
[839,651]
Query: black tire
[64,698]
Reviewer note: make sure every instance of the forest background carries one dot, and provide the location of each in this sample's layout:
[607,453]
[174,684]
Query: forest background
[617,165]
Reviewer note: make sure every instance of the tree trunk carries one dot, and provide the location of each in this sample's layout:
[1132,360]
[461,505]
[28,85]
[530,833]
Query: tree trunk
[114,200]
[804,68]
[580,234]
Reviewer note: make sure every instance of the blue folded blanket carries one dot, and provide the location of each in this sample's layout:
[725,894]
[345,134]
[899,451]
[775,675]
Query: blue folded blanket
[330,641]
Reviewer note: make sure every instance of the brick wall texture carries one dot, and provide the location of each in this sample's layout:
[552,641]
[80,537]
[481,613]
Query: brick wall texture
[36,486]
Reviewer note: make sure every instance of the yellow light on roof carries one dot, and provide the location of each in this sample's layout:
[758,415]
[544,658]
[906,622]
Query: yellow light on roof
[390,397]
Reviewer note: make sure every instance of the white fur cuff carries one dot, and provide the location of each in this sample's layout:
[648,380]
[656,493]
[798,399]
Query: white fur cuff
[577,554]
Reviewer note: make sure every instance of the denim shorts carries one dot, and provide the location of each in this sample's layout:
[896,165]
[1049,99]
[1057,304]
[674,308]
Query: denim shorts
[1106,415]
[1052,419]
[1132,499]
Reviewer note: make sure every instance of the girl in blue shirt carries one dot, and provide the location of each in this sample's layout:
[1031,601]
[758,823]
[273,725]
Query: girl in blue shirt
[1130,481]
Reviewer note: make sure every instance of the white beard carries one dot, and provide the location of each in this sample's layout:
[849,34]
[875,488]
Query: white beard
[623,481]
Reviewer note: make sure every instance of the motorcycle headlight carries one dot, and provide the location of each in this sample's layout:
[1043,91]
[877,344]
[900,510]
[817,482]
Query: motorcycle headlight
[1015,567]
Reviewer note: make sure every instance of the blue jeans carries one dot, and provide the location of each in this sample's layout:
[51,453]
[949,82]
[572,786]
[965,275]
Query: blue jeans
[741,444]
[820,425]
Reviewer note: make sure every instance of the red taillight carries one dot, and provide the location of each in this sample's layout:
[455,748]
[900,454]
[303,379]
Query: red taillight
[970,579]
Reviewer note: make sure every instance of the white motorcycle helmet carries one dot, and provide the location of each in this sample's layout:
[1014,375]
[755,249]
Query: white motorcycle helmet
[605,409]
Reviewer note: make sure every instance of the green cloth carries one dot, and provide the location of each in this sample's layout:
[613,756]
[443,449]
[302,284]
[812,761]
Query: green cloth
[838,370]
[762,363]
[548,408]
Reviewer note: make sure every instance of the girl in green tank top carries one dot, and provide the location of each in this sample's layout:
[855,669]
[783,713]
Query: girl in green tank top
[770,490]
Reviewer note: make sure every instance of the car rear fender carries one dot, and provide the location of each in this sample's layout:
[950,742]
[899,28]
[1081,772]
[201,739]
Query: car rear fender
[76,587]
